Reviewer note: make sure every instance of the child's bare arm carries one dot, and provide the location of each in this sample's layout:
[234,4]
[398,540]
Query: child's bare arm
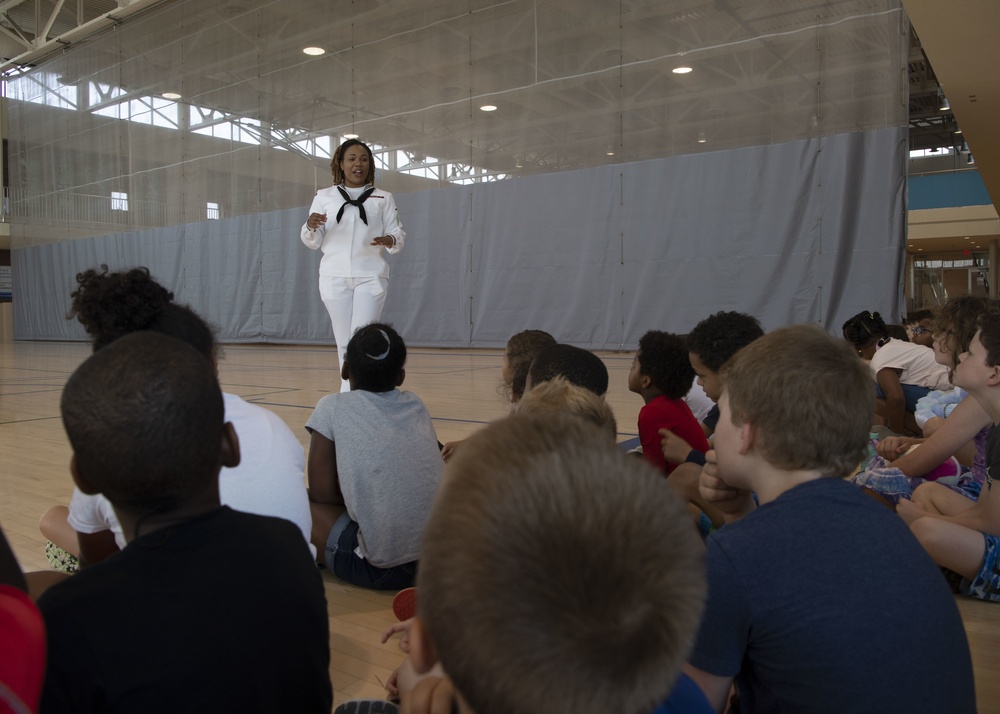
[675,449]
[958,429]
[95,547]
[324,483]
[895,401]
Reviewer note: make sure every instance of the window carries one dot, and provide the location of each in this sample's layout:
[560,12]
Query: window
[212,211]
[119,201]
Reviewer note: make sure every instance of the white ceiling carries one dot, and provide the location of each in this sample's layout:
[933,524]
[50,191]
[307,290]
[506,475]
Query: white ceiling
[573,80]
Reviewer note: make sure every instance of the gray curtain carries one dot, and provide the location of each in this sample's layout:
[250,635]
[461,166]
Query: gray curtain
[805,231]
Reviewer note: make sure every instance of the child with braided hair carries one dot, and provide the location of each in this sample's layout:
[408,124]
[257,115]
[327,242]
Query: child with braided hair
[904,372]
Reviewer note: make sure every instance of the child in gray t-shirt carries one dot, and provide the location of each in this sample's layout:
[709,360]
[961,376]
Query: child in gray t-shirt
[374,467]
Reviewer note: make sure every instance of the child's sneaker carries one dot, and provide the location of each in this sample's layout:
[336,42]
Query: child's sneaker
[61,560]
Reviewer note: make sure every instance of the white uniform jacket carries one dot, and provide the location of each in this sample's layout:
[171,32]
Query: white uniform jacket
[347,248]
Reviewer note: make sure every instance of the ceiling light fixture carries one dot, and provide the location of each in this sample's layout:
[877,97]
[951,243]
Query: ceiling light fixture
[350,136]
[170,95]
[701,137]
[958,130]
[488,108]
[970,160]
[944,106]
[683,69]
[314,51]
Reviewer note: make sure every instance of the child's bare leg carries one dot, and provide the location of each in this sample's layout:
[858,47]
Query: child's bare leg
[940,499]
[953,546]
[54,525]
[408,678]
[324,516]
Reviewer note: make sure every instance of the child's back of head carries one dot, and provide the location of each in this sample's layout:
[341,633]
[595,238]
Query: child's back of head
[145,418]
[808,396]
[663,357]
[560,396]
[375,358]
[518,355]
[110,305]
[865,328]
[721,335]
[571,567]
[581,367]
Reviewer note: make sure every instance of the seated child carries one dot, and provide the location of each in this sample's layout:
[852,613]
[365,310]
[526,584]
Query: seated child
[661,374]
[597,620]
[374,466]
[903,371]
[520,351]
[175,621]
[711,344]
[920,327]
[819,600]
[581,367]
[560,396]
[270,479]
[960,535]
[898,468]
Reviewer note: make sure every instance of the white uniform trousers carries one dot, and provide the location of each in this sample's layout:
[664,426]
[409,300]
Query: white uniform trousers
[352,303]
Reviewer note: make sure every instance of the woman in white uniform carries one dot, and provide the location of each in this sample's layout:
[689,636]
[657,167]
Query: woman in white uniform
[353,223]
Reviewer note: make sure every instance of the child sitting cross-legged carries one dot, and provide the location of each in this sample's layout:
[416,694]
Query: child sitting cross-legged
[661,374]
[960,535]
[557,575]
[819,600]
[174,622]
[374,466]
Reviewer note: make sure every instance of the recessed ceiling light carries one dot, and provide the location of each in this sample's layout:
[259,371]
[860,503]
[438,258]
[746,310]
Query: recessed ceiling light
[488,108]
[683,69]
[609,152]
[314,51]
[967,238]
[170,95]
[350,136]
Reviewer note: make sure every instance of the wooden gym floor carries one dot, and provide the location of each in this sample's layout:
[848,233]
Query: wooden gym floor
[459,387]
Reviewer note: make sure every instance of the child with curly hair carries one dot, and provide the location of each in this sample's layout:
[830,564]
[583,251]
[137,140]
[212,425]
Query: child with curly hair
[661,374]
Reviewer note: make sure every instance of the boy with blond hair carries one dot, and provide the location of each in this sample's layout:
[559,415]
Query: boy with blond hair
[556,575]
[820,600]
[560,396]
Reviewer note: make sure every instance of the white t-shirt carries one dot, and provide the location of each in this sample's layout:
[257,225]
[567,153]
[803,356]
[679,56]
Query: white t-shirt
[916,362]
[698,401]
[269,481]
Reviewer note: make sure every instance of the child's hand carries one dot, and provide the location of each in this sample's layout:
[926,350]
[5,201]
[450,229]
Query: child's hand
[910,511]
[892,447]
[733,502]
[432,695]
[404,627]
[449,448]
[675,449]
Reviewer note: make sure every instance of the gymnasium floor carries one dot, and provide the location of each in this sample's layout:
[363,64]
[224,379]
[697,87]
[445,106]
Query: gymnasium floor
[460,389]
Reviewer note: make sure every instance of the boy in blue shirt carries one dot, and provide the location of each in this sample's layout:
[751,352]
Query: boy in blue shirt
[820,600]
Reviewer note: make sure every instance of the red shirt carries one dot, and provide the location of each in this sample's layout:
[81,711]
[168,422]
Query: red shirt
[673,414]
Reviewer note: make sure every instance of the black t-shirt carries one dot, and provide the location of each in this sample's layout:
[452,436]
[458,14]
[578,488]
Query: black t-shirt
[223,612]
